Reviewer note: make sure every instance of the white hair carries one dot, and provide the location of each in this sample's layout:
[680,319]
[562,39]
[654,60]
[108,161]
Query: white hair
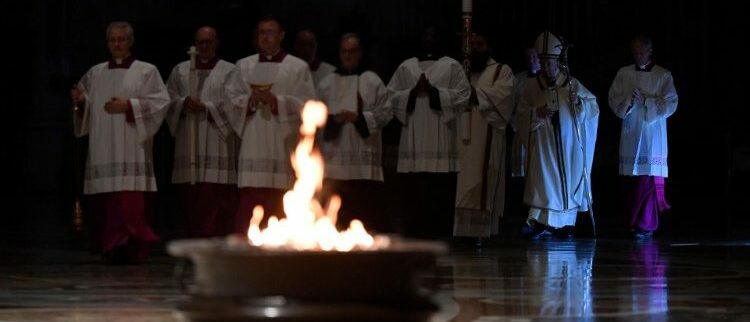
[121,24]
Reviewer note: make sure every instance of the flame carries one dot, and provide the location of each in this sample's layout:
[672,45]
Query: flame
[308,225]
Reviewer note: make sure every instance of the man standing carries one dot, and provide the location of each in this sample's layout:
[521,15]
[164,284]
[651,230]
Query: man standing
[358,108]
[480,193]
[429,91]
[208,187]
[266,92]
[519,141]
[643,96]
[306,48]
[120,105]
[559,108]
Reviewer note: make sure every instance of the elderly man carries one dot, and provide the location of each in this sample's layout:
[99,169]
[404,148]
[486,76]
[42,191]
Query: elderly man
[643,96]
[480,193]
[359,107]
[120,105]
[429,91]
[557,108]
[306,48]
[266,92]
[208,186]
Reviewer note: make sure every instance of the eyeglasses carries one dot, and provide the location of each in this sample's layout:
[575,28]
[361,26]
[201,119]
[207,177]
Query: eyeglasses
[268,32]
[205,42]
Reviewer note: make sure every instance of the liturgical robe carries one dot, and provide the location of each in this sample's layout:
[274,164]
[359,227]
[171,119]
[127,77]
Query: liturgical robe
[119,167]
[320,71]
[519,150]
[120,156]
[429,130]
[268,136]
[643,140]
[209,204]
[555,185]
[352,151]
[480,192]
[216,146]
[643,137]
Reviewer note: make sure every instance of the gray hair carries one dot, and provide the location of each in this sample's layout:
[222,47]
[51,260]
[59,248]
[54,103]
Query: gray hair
[121,24]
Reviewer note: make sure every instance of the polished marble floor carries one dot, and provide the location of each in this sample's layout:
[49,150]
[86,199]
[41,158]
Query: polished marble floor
[505,280]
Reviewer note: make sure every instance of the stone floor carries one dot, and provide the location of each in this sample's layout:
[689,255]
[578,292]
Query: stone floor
[505,280]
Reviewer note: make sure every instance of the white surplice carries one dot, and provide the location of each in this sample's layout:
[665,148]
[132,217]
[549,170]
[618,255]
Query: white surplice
[428,137]
[555,186]
[324,69]
[480,191]
[267,139]
[643,137]
[217,144]
[119,156]
[350,156]
[520,150]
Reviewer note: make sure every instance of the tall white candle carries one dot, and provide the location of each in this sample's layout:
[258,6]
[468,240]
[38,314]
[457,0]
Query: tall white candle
[467,5]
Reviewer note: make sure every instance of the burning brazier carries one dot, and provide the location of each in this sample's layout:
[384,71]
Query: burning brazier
[303,257]
[230,269]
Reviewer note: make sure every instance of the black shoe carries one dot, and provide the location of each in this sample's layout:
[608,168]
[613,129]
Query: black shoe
[115,256]
[565,232]
[642,234]
[541,233]
[527,230]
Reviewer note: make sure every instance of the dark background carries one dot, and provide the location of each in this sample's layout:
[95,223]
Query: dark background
[51,44]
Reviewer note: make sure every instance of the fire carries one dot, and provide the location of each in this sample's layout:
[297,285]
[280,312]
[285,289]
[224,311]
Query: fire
[308,225]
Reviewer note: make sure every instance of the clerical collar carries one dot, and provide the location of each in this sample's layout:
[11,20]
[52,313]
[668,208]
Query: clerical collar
[357,71]
[315,64]
[532,74]
[644,68]
[273,59]
[206,64]
[424,57]
[124,64]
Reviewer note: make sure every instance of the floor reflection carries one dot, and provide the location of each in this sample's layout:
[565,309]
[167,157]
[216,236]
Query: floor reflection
[506,280]
[649,286]
[562,273]
[593,280]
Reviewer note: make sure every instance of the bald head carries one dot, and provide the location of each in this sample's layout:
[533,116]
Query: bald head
[305,45]
[206,42]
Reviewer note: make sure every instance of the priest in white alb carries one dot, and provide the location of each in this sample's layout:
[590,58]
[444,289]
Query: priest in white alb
[429,91]
[556,184]
[120,104]
[643,96]
[480,192]
[205,157]
[519,150]
[266,92]
[358,107]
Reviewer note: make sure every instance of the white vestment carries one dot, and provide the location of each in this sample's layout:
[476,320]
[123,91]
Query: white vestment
[267,139]
[555,185]
[643,138]
[216,143]
[520,150]
[324,69]
[119,154]
[480,190]
[350,155]
[428,137]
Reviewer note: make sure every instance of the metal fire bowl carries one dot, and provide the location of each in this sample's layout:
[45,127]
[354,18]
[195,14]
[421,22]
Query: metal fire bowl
[224,269]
